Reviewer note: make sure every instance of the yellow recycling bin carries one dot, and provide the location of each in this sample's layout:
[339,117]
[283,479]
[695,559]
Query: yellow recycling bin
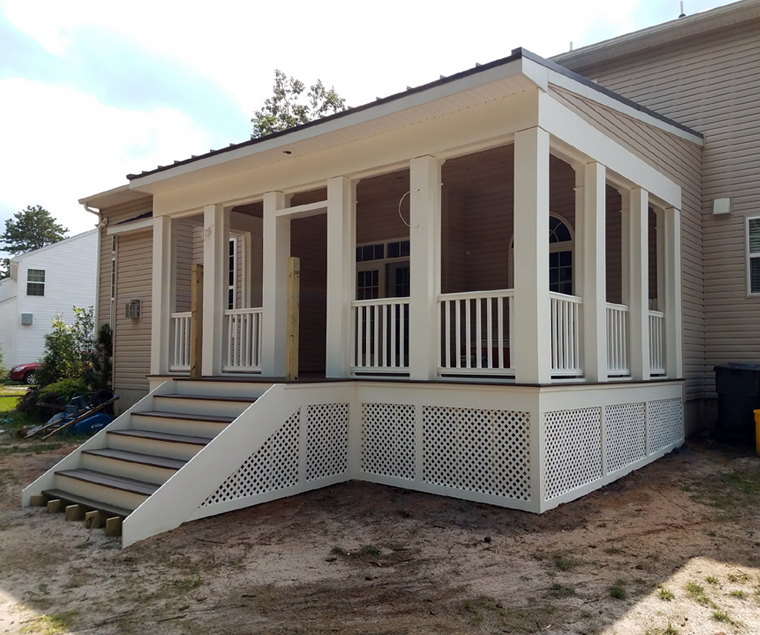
[757,431]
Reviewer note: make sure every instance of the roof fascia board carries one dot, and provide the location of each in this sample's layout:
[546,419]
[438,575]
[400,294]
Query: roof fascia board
[487,74]
[657,35]
[145,223]
[114,196]
[571,129]
[601,97]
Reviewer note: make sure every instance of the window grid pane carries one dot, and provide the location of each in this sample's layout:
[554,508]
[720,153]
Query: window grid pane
[35,275]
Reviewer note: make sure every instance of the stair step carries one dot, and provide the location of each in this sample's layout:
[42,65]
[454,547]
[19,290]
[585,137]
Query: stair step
[162,436]
[108,480]
[207,398]
[75,499]
[184,416]
[137,457]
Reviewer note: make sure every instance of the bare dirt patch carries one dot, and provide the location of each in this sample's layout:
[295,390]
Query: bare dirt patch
[671,549]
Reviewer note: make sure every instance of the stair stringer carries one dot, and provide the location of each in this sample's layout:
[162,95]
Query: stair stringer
[97,442]
[180,499]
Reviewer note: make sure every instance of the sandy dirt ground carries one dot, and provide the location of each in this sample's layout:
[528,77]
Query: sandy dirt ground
[671,549]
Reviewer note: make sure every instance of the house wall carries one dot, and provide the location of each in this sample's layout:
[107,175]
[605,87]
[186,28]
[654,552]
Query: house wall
[679,160]
[710,82]
[70,271]
[8,332]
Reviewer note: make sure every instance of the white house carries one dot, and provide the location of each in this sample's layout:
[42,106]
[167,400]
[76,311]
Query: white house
[43,283]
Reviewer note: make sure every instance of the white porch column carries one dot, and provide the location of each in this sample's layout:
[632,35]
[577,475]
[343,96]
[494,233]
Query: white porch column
[162,294]
[276,250]
[532,329]
[216,232]
[672,292]
[638,282]
[424,261]
[593,272]
[341,247]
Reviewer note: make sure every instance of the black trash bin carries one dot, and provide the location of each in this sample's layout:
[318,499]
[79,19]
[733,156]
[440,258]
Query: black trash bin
[738,388]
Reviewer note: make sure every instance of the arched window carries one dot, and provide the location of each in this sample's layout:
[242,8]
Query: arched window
[561,245]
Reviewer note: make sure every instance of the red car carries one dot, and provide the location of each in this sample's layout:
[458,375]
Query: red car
[25,373]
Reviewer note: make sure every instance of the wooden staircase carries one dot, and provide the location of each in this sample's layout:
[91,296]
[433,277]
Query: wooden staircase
[142,453]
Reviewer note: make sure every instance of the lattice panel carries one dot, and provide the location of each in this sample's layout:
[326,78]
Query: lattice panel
[625,434]
[388,440]
[273,467]
[485,451]
[573,449]
[665,423]
[326,440]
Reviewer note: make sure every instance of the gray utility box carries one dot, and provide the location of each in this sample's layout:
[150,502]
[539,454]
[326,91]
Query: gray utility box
[738,388]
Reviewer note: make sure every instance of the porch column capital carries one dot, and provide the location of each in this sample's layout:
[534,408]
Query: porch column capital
[162,294]
[274,301]
[532,328]
[425,266]
[593,272]
[216,225]
[341,250]
[638,282]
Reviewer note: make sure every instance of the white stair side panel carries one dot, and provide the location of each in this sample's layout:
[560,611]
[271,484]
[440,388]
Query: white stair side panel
[97,442]
[178,499]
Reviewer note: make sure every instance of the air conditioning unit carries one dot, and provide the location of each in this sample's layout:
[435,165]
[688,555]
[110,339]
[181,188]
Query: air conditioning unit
[133,309]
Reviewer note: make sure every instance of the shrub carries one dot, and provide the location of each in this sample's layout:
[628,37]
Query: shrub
[65,388]
[98,373]
[67,348]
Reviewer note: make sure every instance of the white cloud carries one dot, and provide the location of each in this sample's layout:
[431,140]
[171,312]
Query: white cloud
[61,145]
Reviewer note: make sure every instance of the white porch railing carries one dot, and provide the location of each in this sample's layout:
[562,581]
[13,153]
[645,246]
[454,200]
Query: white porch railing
[381,335]
[656,347]
[242,352]
[617,340]
[475,332]
[180,334]
[565,334]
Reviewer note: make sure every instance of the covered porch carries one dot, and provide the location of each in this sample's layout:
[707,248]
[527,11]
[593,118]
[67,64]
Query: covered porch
[549,255]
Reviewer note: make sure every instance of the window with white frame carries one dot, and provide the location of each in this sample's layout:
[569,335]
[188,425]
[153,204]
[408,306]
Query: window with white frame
[753,255]
[232,274]
[382,270]
[35,282]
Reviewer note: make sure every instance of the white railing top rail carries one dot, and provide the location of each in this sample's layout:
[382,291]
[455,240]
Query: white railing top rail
[182,314]
[617,307]
[474,295]
[656,314]
[572,299]
[246,311]
[380,301]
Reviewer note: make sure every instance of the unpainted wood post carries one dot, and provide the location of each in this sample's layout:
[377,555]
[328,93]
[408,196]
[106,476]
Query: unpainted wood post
[196,322]
[294,291]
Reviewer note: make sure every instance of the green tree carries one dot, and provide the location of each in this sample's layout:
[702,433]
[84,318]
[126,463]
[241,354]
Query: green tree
[67,348]
[29,229]
[288,106]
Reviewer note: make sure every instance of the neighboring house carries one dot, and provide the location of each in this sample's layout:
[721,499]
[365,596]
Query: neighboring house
[505,288]
[42,284]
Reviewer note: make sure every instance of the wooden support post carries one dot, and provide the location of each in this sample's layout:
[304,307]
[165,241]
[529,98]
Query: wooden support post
[75,512]
[95,519]
[196,321]
[113,526]
[54,506]
[38,500]
[294,291]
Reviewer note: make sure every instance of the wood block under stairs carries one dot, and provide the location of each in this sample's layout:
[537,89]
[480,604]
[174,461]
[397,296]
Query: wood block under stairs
[74,499]
[175,446]
[119,491]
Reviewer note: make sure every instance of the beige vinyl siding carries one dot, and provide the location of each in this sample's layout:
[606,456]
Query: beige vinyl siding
[132,337]
[112,216]
[679,160]
[712,84]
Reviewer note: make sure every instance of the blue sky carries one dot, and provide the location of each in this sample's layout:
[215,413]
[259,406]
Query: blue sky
[92,90]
